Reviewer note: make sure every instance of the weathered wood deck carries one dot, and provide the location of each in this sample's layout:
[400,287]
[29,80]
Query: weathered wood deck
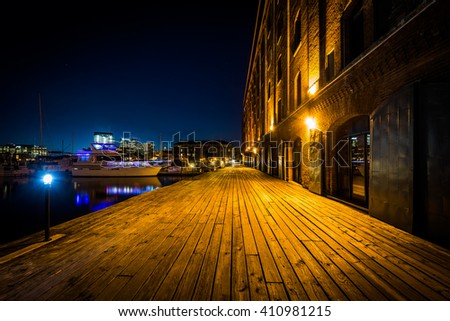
[234,234]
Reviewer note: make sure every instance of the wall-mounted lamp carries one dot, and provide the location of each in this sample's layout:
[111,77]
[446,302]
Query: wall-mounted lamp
[313,89]
[311,123]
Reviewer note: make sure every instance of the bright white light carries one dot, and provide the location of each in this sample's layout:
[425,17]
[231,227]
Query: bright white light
[47,179]
[313,89]
[311,123]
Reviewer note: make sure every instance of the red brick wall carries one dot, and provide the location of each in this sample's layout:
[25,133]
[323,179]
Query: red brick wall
[417,50]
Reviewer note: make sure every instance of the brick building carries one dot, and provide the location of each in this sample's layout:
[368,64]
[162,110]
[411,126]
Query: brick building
[207,152]
[349,98]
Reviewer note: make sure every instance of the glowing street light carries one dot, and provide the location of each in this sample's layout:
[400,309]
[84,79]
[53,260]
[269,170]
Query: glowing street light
[47,179]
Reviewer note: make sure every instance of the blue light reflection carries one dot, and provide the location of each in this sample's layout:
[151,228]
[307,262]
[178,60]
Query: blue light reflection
[99,192]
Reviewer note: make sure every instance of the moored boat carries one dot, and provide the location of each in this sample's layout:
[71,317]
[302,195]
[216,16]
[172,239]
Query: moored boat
[104,161]
[15,170]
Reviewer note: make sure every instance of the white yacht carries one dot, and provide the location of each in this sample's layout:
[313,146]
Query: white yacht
[102,160]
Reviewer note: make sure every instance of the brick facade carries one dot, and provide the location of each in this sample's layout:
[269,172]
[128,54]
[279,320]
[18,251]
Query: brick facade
[359,56]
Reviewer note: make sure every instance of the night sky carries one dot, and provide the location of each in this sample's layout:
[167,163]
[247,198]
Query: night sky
[141,67]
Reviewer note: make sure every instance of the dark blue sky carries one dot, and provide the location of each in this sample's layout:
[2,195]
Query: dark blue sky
[139,67]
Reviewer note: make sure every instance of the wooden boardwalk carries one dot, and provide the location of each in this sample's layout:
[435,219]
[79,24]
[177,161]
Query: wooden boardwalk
[234,234]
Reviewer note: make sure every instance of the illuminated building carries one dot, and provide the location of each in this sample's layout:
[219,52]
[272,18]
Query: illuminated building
[206,151]
[348,98]
[103,138]
[12,153]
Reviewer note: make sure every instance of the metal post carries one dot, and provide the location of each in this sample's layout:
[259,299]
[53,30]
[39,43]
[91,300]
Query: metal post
[47,220]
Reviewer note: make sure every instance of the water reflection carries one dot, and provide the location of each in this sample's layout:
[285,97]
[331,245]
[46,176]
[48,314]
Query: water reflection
[22,207]
[98,193]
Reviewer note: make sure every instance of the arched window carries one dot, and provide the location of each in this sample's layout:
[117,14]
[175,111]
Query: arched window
[280,25]
[298,89]
[279,70]
[297,32]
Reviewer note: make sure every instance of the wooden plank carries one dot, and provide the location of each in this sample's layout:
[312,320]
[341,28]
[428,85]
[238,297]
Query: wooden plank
[222,282]
[142,267]
[247,231]
[107,266]
[175,273]
[240,289]
[205,282]
[270,269]
[186,286]
[360,282]
[234,234]
[420,287]
[304,263]
[277,292]
[292,284]
[314,279]
[49,272]
[165,263]
[332,262]
[359,259]
[257,285]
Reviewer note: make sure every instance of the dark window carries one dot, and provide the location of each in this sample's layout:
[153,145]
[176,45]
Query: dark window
[298,89]
[330,66]
[269,23]
[280,110]
[280,25]
[353,33]
[279,70]
[274,112]
[381,10]
[297,32]
[389,13]
[269,55]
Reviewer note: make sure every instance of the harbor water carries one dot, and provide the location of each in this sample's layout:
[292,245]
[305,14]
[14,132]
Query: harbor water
[23,199]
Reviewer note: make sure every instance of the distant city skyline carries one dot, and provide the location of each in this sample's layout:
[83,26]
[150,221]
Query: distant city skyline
[147,69]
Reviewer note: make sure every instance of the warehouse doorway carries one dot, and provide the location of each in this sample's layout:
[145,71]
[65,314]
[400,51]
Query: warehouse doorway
[353,171]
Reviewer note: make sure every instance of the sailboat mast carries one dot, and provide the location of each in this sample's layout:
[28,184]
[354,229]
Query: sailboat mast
[40,119]
[72,141]
[160,147]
